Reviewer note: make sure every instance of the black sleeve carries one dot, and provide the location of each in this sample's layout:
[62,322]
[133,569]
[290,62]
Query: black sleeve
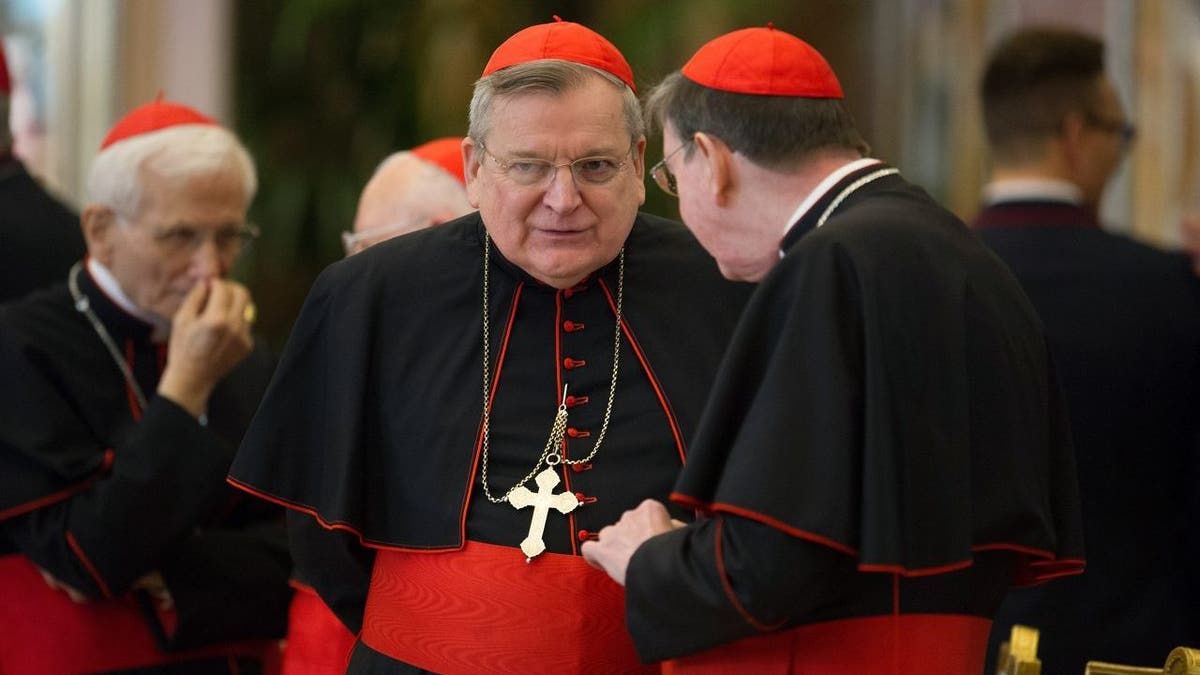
[334,564]
[167,477]
[723,579]
[228,585]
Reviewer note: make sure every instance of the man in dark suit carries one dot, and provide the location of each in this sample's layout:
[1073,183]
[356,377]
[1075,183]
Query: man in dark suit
[39,237]
[1123,323]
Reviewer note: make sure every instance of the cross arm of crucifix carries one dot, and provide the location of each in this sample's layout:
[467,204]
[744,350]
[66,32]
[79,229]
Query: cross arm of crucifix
[542,501]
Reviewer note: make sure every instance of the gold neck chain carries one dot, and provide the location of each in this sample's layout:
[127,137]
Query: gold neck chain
[550,455]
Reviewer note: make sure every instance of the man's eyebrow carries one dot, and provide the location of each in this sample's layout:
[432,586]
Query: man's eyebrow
[607,151]
[188,226]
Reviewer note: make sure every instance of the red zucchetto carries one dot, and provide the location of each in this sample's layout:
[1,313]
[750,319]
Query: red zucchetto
[562,40]
[763,61]
[155,115]
[444,152]
[5,82]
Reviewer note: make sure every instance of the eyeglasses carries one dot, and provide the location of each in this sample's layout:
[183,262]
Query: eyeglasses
[354,242]
[1125,130]
[229,240]
[531,171]
[662,173]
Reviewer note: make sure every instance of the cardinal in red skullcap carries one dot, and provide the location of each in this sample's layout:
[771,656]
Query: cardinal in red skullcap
[39,235]
[460,408]
[885,450]
[410,190]
[131,382]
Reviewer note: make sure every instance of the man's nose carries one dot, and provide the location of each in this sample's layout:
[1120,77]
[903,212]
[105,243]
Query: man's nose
[207,260]
[562,194]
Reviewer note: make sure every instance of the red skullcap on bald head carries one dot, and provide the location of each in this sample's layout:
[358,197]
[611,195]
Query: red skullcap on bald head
[562,40]
[763,61]
[446,153]
[155,115]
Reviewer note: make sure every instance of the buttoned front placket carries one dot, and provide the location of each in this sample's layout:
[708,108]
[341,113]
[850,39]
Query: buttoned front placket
[584,367]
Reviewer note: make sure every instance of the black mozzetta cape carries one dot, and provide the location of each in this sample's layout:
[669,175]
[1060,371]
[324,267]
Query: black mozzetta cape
[887,399]
[99,492]
[372,423]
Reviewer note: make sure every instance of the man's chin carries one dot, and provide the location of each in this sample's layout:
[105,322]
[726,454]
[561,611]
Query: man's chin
[740,273]
[562,274]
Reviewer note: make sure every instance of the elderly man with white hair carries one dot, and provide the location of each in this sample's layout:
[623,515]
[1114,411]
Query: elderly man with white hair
[409,191]
[129,386]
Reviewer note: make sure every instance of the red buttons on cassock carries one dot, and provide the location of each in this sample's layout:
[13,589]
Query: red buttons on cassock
[570,363]
[573,401]
[584,499]
[584,535]
[580,468]
[572,326]
[576,433]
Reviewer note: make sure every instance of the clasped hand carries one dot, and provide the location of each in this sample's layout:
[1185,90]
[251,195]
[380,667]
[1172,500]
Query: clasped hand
[616,543]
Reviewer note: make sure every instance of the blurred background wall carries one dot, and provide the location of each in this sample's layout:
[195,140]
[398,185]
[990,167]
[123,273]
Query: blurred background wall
[322,90]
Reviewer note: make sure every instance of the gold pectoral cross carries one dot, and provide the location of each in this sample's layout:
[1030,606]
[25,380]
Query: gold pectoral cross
[542,501]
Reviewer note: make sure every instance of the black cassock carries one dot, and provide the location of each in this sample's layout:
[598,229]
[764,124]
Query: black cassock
[1123,322]
[372,425]
[40,238]
[884,451]
[98,492]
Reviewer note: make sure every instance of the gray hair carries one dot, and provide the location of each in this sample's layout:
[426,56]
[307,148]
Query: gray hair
[777,132]
[175,153]
[553,76]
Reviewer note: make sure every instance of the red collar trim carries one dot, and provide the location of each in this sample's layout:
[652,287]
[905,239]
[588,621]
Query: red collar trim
[1036,214]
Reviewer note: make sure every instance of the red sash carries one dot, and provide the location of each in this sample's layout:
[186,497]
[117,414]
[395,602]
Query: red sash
[906,644]
[318,643]
[484,609]
[43,631]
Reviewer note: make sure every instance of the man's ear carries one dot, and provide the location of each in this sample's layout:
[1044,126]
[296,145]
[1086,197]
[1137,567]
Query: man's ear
[1074,128]
[471,167]
[639,167]
[99,224]
[718,162]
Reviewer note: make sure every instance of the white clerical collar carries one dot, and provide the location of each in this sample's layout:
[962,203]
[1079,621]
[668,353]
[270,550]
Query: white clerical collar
[824,186]
[1032,189]
[109,285]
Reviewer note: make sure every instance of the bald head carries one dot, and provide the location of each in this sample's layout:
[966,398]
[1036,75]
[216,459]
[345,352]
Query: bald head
[406,193]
